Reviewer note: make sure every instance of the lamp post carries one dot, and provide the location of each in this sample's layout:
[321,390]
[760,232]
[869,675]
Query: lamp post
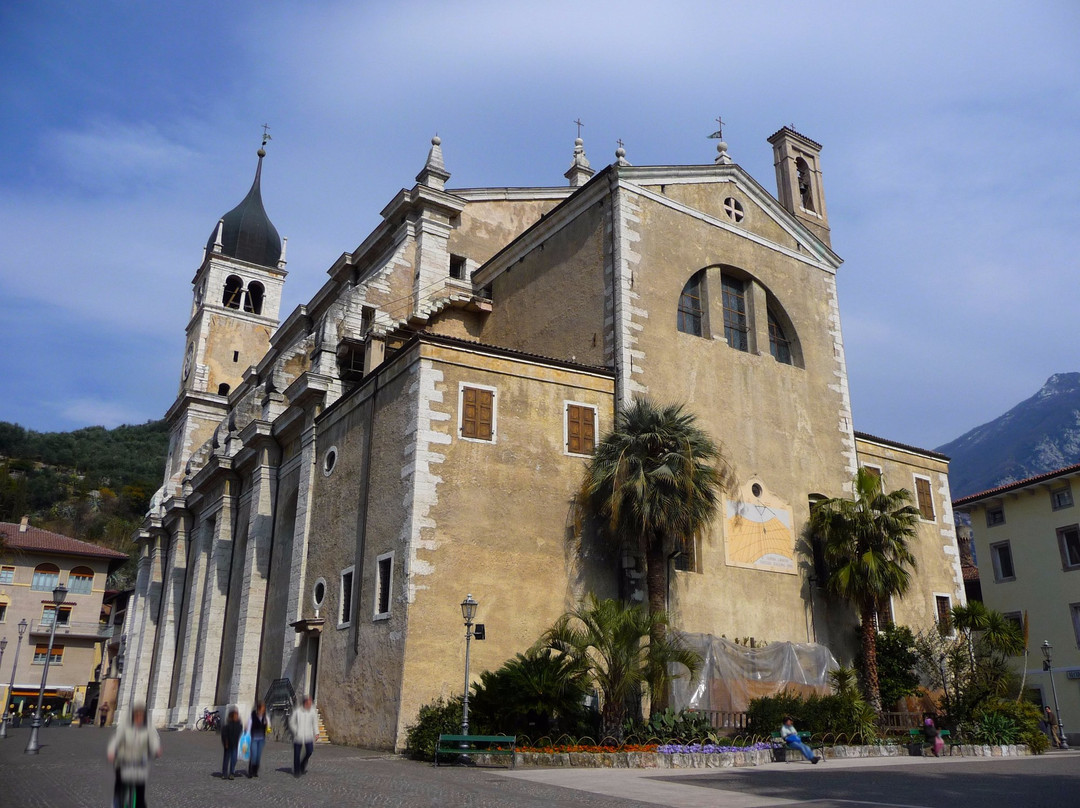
[468,611]
[1048,666]
[58,595]
[14,665]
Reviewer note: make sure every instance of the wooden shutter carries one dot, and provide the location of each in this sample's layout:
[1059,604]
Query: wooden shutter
[944,615]
[580,429]
[478,408]
[926,501]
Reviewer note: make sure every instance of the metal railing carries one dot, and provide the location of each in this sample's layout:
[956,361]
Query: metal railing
[72,628]
[725,719]
[898,722]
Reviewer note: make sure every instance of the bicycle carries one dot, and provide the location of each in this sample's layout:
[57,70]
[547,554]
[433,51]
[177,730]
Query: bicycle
[211,720]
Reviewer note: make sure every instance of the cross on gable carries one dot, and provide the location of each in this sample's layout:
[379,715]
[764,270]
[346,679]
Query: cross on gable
[579,125]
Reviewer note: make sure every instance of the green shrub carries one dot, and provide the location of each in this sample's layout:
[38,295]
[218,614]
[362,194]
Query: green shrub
[536,693]
[994,728]
[435,719]
[1023,717]
[685,726]
[845,714]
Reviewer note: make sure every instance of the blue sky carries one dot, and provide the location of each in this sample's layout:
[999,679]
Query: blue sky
[950,132]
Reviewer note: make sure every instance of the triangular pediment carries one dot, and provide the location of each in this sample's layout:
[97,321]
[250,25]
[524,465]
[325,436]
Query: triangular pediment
[728,197]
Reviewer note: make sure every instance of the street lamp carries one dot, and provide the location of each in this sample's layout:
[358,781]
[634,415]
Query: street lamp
[1048,666]
[58,595]
[468,611]
[14,665]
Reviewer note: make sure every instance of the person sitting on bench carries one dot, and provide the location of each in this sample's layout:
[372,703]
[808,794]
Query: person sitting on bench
[792,739]
[933,737]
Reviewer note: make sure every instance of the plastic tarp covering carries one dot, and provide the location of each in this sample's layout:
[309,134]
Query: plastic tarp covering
[731,674]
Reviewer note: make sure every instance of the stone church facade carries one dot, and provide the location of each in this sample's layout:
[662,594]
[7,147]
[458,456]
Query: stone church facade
[338,481]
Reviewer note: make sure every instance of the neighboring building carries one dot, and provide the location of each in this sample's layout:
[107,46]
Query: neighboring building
[416,432]
[32,562]
[1027,542]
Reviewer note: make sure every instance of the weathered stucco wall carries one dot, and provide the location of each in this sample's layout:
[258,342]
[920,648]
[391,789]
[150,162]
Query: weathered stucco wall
[552,302]
[485,227]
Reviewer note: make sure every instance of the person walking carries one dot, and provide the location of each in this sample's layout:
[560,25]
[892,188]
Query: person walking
[132,746]
[103,711]
[304,723]
[791,737]
[230,739]
[256,728]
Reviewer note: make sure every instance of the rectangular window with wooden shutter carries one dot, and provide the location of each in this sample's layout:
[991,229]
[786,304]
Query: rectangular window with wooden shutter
[477,413]
[580,429]
[926,501]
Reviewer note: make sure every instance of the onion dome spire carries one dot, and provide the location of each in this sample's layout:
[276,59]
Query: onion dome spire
[246,232]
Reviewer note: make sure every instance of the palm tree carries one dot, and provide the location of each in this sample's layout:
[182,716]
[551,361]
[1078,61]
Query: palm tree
[866,549]
[652,485]
[618,645]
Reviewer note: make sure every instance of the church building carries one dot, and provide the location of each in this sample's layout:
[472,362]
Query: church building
[338,481]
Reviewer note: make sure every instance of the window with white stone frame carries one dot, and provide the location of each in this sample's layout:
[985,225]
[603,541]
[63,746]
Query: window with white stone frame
[384,582]
[477,415]
[924,498]
[1001,555]
[345,598]
[1069,544]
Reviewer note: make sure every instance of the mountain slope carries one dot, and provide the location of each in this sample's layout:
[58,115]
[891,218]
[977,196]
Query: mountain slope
[1036,436]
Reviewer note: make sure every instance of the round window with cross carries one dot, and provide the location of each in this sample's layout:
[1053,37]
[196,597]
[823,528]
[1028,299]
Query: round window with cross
[734,209]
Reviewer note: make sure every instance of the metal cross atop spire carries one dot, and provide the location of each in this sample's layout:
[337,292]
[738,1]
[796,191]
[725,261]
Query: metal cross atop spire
[579,125]
[621,144]
[719,133]
[266,133]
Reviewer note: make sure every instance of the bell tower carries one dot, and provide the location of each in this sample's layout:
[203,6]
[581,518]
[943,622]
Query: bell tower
[797,159]
[235,309]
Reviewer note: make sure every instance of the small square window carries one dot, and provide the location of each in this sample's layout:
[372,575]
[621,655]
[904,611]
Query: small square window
[3,612]
[1069,544]
[995,516]
[874,470]
[41,651]
[457,266]
[1001,554]
[383,585]
[924,498]
[1017,619]
[345,598]
[580,429]
[687,559]
[477,413]
[1061,498]
[7,575]
[48,612]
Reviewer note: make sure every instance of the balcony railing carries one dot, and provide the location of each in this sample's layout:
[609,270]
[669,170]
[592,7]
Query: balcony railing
[72,629]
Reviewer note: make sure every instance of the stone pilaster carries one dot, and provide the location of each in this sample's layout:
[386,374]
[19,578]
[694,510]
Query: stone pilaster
[290,662]
[148,626]
[193,597]
[172,599]
[256,571]
[135,629]
[215,596]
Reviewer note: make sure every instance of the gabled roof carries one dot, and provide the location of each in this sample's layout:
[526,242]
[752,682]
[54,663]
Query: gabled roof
[866,436]
[990,493]
[34,539]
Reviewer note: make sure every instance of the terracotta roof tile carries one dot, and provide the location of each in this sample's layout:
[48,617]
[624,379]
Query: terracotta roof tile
[1038,478]
[45,541]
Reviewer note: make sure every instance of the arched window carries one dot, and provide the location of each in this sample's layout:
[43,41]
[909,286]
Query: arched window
[806,185]
[234,291]
[779,344]
[46,577]
[81,581]
[254,300]
[223,389]
[690,306]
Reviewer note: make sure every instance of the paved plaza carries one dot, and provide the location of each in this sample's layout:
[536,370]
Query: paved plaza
[71,772]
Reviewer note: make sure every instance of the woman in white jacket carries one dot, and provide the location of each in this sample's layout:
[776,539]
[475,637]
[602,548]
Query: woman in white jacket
[130,751]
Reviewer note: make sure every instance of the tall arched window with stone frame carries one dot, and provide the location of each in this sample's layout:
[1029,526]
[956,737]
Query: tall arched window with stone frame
[691,312]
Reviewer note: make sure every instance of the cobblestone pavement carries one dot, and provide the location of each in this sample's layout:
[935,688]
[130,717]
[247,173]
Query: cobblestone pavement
[71,772]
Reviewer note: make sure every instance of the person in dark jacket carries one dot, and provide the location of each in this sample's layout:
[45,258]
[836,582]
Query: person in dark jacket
[230,739]
[257,726]
[933,737]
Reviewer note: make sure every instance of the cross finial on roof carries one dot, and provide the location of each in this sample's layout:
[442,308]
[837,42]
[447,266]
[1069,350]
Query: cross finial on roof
[620,143]
[579,125]
[266,134]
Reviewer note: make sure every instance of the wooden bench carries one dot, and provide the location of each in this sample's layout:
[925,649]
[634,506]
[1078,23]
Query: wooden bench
[476,745]
[916,736]
[803,736]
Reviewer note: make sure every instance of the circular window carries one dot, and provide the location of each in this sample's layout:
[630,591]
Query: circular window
[318,593]
[734,209]
[329,460]
[755,489]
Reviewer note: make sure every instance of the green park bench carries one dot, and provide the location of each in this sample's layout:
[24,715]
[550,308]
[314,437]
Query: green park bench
[476,745]
[916,736]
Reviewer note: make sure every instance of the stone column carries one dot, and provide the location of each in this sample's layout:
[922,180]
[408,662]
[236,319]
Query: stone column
[193,597]
[215,596]
[172,595]
[256,570]
[157,546]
